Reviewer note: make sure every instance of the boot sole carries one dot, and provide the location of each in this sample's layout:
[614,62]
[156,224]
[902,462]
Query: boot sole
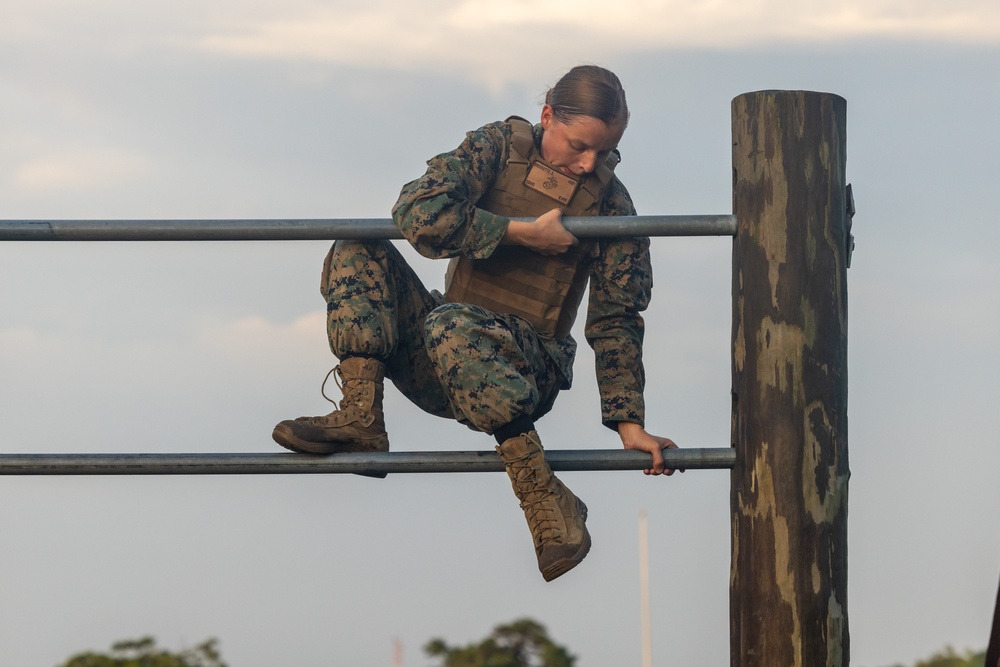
[564,565]
[287,440]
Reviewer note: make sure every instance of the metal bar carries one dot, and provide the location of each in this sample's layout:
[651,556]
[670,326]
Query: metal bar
[332,229]
[363,463]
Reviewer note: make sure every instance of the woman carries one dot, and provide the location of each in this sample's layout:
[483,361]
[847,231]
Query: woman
[495,349]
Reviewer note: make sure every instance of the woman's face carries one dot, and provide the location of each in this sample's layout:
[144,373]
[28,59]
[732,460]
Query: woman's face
[576,147]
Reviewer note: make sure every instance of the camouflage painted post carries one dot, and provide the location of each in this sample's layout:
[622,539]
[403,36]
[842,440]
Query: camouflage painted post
[993,649]
[788,584]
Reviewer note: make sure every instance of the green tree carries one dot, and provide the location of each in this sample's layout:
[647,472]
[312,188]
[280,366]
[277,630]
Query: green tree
[949,658]
[522,643]
[144,653]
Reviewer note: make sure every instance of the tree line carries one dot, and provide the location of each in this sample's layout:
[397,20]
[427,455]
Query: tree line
[520,643]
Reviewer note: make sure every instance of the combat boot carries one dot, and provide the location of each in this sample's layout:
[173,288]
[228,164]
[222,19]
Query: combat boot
[556,518]
[359,424]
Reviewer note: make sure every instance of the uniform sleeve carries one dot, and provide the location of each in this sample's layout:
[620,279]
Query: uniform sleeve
[437,212]
[620,286]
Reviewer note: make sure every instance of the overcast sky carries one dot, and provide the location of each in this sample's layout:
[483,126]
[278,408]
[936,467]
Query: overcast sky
[257,109]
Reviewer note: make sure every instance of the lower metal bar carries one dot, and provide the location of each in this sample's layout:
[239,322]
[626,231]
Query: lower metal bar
[363,463]
[347,228]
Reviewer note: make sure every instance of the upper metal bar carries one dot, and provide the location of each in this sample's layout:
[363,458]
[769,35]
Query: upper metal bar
[363,463]
[332,229]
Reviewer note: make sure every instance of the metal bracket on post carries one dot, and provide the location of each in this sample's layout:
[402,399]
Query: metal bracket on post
[850,221]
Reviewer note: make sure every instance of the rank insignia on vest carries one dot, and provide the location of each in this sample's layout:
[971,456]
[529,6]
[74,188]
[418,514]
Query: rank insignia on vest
[551,183]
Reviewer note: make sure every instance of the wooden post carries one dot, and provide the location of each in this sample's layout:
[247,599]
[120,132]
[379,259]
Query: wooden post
[788,584]
[993,649]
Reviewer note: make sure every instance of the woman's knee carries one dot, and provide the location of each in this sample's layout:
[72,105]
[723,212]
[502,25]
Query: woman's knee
[451,320]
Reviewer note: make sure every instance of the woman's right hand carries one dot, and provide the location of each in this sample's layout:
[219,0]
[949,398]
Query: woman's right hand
[546,235]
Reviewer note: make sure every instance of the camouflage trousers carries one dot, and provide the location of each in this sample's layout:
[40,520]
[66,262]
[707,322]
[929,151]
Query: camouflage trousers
[451,359]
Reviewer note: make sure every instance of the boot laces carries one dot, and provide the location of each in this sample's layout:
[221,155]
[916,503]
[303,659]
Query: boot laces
[353,391]
[536,500]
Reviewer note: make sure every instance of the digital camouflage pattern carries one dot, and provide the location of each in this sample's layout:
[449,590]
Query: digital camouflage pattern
[377,306]
[456,360]
[451,360]
[494,367]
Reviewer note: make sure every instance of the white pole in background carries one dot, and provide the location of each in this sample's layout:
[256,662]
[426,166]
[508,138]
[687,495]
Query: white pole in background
[647,648]
[397,652]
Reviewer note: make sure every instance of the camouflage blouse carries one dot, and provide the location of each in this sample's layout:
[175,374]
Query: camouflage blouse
[437,214]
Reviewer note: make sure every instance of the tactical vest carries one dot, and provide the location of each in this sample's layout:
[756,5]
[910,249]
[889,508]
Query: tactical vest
[545,291]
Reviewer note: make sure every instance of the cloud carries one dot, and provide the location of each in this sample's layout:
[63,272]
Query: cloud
[218,345]
[499,38]
[79,170]
[494,42]
[255,339]
[22,341]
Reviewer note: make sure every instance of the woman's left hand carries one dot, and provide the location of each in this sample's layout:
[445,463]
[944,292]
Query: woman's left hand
[635,436]
[546,235]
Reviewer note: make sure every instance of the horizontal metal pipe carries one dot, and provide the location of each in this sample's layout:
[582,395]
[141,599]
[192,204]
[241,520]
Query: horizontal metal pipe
[360,463]
[318,229]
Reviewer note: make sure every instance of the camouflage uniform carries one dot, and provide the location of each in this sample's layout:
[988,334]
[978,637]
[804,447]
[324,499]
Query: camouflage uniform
[456,360]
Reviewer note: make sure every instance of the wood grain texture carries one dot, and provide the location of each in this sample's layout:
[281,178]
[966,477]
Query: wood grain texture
[788,585]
